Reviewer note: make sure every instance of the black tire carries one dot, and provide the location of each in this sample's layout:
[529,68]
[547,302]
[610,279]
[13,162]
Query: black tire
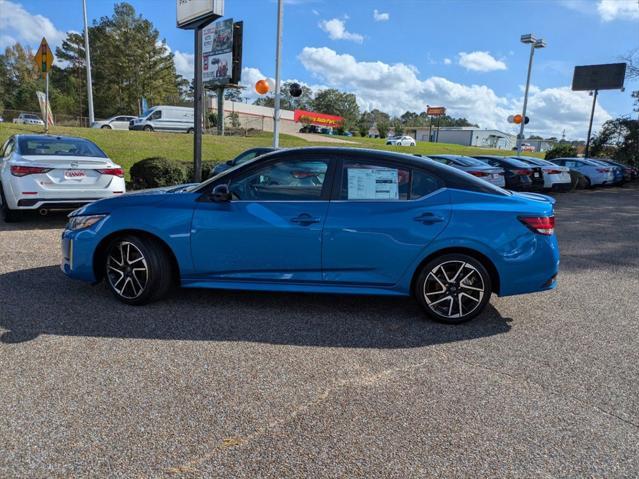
[130,253]
[148,128]
[105,127]
[190,131]
[588,183]
[8,215]
[463,279]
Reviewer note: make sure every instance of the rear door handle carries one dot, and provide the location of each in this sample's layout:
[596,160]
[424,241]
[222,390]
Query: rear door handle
[428,218]
[304,219]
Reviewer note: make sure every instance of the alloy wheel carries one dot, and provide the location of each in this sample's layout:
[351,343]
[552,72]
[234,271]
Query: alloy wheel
[127,270]
[454,289]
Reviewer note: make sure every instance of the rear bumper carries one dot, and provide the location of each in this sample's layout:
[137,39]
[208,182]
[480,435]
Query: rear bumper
[53,204]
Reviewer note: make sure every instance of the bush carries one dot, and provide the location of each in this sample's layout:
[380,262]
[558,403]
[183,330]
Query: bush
[156,172]
[207,168]
[565,150]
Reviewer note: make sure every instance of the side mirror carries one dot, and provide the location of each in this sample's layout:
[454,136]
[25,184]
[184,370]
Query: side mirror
[221,193]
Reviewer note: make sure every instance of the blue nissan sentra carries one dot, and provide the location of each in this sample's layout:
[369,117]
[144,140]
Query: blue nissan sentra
[323,220]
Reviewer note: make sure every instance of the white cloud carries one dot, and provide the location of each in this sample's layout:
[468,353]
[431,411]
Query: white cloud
[16,24]
[380,17]
[184,64]
[336,30]
[610,10]
[447,61]
[480,62]
[397,88]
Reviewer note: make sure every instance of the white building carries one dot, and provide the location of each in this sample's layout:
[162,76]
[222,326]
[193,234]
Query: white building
[465,135]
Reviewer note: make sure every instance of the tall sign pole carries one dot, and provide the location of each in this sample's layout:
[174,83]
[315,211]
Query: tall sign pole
[278,54]
[87,59]
[592,115]
[195,15]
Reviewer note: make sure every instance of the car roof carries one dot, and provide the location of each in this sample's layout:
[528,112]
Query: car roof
[38,137]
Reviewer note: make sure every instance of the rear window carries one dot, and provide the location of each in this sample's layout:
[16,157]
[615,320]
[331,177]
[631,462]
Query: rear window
[51,146]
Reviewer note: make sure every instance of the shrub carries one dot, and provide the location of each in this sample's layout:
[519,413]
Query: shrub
[565,150]
[207,168]
[156,172]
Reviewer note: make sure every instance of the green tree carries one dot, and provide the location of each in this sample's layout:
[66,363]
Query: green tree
[19,79]
[564,150]
[335,102]
[619,139]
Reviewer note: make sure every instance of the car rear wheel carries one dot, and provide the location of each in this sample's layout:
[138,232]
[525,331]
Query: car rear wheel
[105,127]
[148,128]
[138,270]
[8,215]
[453,288]
[190,131]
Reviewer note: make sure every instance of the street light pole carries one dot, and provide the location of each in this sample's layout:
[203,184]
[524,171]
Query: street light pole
[278,54]
[534,43]
[87,57]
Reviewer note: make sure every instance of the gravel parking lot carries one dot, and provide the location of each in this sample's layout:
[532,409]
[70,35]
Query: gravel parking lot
[236,384]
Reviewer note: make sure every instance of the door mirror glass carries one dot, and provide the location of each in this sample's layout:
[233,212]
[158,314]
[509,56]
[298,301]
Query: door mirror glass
[221,194]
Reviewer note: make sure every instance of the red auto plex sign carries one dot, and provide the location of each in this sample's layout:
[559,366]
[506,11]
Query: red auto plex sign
[319,119]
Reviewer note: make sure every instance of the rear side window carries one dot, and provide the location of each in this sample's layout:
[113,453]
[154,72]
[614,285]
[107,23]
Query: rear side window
[370,181]
[423,184]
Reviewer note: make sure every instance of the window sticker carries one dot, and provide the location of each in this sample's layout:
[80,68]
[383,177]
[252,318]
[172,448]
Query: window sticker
[373,184]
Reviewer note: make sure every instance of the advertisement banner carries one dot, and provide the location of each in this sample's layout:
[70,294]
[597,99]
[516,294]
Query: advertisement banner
[42,100]
[217,53]
[319,119]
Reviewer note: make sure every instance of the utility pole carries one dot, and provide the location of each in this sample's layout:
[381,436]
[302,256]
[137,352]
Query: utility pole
[534,44]
[197,104]
[592,115]
[278,53]
[87,57]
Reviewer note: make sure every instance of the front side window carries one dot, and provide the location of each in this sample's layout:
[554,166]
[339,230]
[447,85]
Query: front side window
[156,115]
[370,181]
[286,180]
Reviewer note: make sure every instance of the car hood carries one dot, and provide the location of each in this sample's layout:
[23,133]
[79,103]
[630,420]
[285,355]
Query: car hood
[148,197]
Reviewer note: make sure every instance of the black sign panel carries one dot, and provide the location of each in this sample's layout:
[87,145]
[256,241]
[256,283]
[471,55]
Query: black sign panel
[599,77]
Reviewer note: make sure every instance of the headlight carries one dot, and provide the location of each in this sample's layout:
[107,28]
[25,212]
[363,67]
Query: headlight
[81,222]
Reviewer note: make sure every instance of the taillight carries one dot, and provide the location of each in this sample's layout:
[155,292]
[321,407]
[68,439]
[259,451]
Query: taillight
[603,170]
[479,173]
[543,225]
[113,172]
[522,172]
[17,170]
[554,172]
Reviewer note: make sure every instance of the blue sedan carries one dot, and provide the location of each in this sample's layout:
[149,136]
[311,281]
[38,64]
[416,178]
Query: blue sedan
[323,220]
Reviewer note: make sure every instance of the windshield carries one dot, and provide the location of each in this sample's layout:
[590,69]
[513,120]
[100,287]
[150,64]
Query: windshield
[31,117]
[56,146]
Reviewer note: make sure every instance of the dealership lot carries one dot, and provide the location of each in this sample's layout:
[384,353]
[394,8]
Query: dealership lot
[240,384]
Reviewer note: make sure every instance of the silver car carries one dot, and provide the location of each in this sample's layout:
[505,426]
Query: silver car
[120,122]
[478,168]
[595,173]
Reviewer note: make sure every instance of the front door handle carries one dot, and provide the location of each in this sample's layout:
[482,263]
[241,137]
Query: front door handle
[428,219]
[304,220]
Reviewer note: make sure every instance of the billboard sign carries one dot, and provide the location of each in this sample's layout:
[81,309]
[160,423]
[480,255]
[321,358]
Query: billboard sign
[599,77]
[435,111]
[192,12]
[217,53]
[319,119]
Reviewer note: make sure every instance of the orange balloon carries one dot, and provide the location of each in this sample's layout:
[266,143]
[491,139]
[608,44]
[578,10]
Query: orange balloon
[262,87]
[517,119]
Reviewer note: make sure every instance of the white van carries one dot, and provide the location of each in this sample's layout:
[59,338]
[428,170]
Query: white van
[165,118]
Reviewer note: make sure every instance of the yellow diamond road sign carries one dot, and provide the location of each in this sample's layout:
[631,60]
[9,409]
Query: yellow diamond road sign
[44,57]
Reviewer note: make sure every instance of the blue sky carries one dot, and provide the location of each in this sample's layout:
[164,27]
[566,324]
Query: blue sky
[400,55]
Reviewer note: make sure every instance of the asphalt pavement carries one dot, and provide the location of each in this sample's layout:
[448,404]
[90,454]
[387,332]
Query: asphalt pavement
[243,384]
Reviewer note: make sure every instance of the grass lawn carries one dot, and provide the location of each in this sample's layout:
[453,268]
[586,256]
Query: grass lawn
[127,147]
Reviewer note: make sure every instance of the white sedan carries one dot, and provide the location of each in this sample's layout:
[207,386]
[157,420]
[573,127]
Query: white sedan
[555,177]
[28,119]
[401,141]
[44,172]
[120,122]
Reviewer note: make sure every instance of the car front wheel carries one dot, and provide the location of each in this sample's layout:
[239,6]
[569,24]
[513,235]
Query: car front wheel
[453,288]
[138,270]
